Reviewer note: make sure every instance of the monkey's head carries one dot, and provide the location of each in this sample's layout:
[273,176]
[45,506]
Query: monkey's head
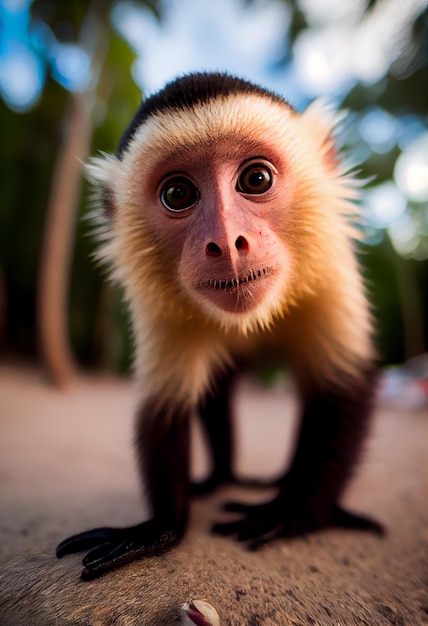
[223,200]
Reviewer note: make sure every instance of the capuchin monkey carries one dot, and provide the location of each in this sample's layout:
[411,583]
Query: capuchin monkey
[228,219]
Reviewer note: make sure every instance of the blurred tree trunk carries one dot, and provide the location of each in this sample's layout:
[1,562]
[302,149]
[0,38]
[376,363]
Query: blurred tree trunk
[54,272]
[3,308]
[57,245]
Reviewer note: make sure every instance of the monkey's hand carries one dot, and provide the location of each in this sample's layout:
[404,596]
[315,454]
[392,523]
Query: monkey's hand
[285,516]
[113,547]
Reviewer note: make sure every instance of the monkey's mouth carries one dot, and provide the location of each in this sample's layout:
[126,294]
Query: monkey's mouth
[237,294]
[235,282]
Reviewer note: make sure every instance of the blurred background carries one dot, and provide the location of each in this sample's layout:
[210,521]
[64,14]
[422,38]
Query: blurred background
[71,76]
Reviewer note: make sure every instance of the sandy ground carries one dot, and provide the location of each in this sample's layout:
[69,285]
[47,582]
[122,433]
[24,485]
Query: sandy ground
[66,465]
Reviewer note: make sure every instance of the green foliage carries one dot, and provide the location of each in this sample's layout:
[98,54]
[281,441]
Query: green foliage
[118,96]
[383,291]
[27,165]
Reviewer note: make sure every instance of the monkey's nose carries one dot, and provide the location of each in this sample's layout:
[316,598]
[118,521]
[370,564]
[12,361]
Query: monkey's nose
[213,249]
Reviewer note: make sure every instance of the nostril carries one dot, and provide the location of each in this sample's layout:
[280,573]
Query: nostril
[213,249]
[242,244]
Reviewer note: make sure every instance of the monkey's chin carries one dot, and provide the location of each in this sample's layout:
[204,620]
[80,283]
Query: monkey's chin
[233,300]
[237,312]
[239,295]
[245,302]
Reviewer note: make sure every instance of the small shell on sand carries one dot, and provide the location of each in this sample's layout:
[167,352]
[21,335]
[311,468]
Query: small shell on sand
[199,613]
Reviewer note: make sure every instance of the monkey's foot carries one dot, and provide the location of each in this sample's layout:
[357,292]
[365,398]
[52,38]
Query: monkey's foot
[265,522]
[113,547]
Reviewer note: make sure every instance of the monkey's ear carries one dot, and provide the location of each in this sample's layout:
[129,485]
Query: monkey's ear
[322,122]
[106,201]
[100,172]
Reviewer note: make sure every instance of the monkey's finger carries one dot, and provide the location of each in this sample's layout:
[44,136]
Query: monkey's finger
[84,541]
[255,544]
[256,528]
[346,519]
[112,557]
[237,507]
[98,554]
[227,528]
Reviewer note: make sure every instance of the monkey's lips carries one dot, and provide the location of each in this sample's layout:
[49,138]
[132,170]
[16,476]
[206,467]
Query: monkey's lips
[237,294]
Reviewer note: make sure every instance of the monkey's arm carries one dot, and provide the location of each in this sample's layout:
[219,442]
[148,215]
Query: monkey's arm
[162,440]
[333,428]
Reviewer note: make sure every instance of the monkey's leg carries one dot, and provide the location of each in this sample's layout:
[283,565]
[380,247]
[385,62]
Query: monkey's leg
[162,440]
[333,429]
[216,417]
[215,412]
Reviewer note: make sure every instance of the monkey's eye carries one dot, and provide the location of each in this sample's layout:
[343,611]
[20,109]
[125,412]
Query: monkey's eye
[179,193]
[255,179]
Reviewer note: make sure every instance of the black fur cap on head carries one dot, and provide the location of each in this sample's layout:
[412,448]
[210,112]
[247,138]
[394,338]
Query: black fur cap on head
[188,91]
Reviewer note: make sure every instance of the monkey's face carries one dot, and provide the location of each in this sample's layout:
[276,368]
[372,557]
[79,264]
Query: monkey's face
[216,210]
[233,262]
